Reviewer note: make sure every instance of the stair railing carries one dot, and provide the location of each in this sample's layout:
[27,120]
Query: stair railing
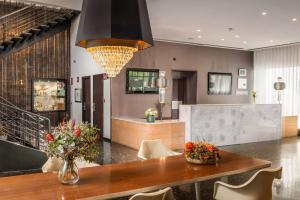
[21,126]
[31,16]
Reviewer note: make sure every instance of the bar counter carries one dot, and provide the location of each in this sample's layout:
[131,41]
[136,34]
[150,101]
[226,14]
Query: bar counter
[131,131]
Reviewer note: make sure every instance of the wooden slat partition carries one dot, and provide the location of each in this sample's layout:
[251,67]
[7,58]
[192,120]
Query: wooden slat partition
[49,58]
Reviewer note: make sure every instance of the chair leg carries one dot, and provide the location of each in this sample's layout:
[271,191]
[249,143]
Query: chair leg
[197,191]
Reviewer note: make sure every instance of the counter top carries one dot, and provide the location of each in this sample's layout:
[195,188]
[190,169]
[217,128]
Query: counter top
[143,121]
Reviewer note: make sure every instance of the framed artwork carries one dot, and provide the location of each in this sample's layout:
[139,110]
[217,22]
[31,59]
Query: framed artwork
[78,95]
[242,72]
[219,83]
[242,83]
[49,95]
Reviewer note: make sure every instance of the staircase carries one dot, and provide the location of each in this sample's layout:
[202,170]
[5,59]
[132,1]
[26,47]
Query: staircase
[31,23]
[22,133]
[21,126]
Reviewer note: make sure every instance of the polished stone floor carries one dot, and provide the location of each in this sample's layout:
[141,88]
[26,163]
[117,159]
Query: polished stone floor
[280,153]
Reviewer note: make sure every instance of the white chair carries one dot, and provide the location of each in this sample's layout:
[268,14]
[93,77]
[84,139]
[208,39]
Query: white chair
[165,194]
[258,187]
[154,149]
[54,164]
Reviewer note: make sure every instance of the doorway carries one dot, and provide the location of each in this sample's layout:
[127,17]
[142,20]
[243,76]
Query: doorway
[86,99]
[184,90]
[98,102]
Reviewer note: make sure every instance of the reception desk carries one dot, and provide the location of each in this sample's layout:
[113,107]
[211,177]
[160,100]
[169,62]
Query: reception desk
[232,124]
[131,131]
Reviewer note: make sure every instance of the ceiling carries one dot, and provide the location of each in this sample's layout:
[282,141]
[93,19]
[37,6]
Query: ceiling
[181,20]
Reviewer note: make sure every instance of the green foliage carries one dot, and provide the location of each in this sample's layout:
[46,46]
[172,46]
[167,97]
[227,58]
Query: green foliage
[69,142]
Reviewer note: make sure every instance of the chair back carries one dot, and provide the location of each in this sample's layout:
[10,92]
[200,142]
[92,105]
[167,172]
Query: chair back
[165,194]
[258,187]
[154,149]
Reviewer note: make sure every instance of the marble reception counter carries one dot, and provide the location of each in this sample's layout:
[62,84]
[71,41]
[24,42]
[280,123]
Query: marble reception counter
[232,124]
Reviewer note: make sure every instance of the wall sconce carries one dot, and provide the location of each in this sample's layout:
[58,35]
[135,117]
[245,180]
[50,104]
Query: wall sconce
[279,86]
[162,84]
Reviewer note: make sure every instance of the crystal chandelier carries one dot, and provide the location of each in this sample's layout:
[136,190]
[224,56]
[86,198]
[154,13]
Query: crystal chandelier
[113,30]
[112,58]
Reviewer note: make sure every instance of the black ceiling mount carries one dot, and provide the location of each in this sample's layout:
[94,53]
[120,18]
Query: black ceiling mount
[114,23]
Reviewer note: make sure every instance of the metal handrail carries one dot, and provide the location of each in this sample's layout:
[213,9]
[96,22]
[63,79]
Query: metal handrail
[29,17]
[22,126]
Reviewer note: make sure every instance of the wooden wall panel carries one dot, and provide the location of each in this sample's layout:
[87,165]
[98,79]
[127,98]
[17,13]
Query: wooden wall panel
[49,58]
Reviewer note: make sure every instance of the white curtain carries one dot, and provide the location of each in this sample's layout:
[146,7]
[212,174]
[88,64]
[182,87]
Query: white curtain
[278,62]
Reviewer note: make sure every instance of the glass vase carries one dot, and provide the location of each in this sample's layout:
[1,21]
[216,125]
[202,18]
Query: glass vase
[68,173]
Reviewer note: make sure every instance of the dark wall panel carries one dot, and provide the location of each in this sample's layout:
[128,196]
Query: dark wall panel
[49,58]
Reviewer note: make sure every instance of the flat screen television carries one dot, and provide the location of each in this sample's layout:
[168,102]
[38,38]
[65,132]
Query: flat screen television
[141,81]
[49,95]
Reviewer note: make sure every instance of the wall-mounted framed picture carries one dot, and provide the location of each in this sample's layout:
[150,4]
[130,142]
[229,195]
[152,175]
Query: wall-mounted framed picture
[219,83]
[49,95]
[78,95]
[242,72]
[242,83]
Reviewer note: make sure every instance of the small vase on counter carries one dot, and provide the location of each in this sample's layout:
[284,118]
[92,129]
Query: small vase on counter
[150,118]
[150,114]
[253,95]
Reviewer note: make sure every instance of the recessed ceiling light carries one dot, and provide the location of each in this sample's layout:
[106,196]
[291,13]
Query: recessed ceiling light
[199,36]
[244,42]
[271,41]
[294,19]
[237,36]
[223,39]
[198,30]
[264,13]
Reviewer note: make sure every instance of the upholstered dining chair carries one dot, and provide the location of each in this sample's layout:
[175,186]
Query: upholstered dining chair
[165,194]
[258,187]
[154,149]
[54,164]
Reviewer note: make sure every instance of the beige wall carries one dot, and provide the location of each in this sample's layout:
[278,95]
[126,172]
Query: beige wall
[188,57]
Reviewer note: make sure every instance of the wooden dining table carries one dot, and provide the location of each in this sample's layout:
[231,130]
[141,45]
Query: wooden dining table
[125,179]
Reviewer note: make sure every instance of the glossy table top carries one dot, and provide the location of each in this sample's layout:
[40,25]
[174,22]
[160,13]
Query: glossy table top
[110,181]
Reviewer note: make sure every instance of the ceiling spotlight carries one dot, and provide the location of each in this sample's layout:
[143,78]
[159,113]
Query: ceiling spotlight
[294,19]
[223,39]
[199,36]
[271,41]
[198,30]
[237,36]
[244,42]
[264,13]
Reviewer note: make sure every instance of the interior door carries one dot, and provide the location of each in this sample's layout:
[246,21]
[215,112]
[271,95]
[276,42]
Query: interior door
[86,99]
[98,101]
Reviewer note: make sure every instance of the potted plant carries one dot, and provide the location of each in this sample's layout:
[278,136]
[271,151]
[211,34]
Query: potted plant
[68,142]
[201,153]
[253,95]
[150,114]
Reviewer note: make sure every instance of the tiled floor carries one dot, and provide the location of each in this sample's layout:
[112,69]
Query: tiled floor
[284,153]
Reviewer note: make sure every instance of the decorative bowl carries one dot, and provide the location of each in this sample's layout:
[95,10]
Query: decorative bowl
[201,162]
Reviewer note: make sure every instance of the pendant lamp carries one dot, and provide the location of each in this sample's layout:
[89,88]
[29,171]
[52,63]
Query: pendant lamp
[113,30]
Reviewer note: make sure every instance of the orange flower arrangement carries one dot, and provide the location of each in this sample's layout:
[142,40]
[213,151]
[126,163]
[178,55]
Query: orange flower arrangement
[201,153]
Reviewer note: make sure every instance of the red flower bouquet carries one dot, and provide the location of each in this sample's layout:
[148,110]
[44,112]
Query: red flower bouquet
[201,153]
